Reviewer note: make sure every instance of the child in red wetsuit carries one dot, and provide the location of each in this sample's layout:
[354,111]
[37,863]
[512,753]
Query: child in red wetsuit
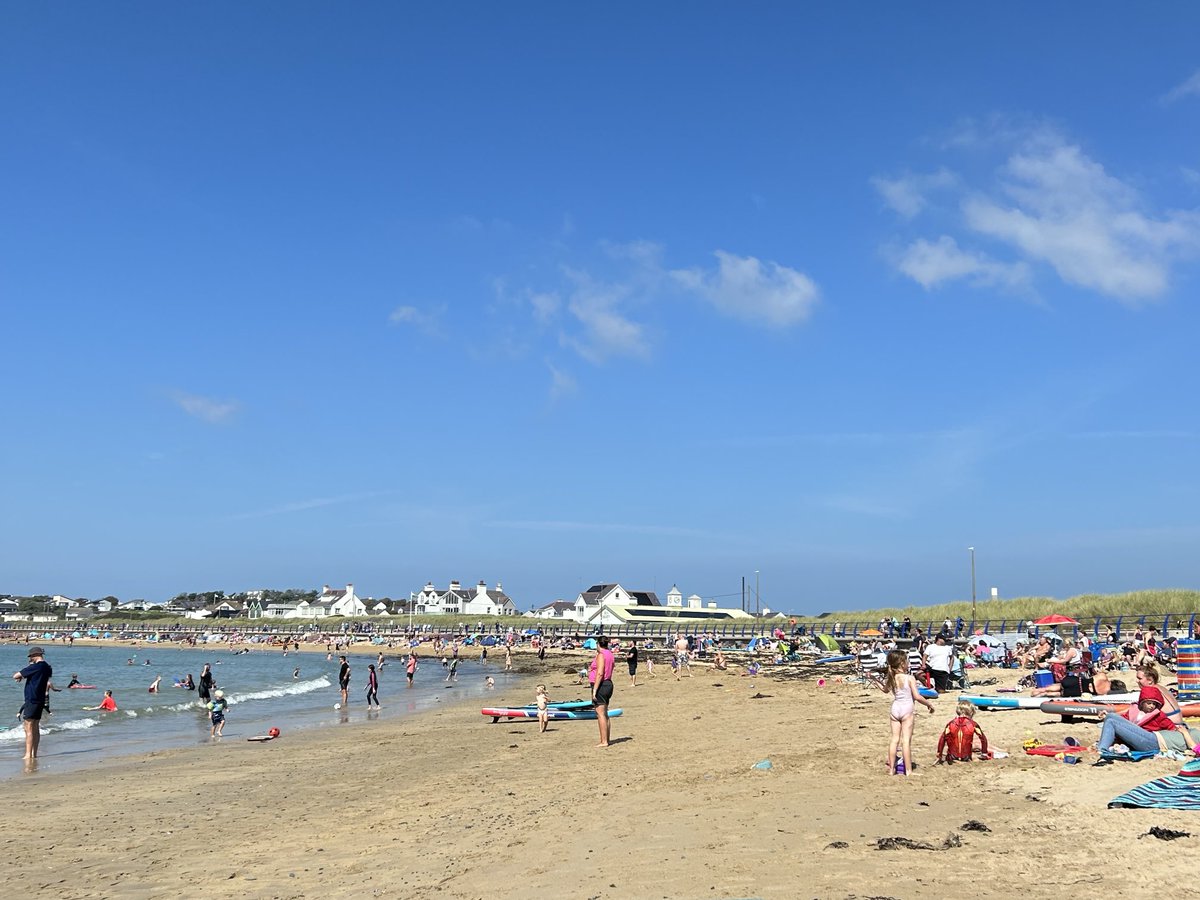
[958,737]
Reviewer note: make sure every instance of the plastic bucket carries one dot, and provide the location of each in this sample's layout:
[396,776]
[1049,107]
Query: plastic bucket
[1043,679]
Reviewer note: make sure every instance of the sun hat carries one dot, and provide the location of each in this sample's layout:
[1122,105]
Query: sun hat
[36,651]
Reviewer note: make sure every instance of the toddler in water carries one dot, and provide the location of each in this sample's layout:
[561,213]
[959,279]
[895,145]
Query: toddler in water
[905,694]
[217,707]
[542,702]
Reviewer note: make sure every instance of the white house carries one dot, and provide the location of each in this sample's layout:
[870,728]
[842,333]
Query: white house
[591,602]
[61,602]
[331,602]
[338,602]
[457,600]
[559,609]
[693,611]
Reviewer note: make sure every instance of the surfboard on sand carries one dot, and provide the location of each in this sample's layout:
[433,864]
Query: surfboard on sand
[1003,702]
[556,715]
[1080,708]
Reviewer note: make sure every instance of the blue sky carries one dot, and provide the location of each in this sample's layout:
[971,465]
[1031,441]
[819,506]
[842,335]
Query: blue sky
[552,295]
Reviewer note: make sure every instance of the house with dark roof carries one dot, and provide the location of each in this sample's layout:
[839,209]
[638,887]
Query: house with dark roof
[457,600]
[590,603]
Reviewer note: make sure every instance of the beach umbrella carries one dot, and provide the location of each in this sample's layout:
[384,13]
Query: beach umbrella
[1055,619]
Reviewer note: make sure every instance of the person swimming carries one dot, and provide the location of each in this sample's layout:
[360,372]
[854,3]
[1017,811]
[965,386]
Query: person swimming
[74,680]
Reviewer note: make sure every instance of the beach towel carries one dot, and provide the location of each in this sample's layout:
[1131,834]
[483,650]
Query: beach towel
[1180,791]
[1128,755]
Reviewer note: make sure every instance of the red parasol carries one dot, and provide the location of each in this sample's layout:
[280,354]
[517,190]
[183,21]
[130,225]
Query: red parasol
[1055,619]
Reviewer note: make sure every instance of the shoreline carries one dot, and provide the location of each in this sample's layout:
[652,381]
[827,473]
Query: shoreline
[448,803]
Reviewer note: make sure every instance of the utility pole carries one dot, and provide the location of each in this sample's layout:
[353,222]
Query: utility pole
[972,549]
[757,599]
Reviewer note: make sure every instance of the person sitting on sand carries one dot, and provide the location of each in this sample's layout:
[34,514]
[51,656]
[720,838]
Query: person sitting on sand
[108,704]
[719,660]
[1142,727]
[1147,676]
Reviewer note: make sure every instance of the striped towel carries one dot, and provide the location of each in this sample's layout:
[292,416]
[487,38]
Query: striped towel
[1171,792]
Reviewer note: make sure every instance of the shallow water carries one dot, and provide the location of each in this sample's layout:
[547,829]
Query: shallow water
[260,686]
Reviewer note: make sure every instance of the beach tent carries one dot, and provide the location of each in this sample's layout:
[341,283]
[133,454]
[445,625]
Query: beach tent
[589,644]
[828,642]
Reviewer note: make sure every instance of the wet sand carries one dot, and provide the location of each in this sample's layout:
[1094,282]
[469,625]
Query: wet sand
[448,804]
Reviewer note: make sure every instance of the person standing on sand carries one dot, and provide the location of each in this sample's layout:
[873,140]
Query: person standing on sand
[682,658]
[632,661]
[600,674]
[36,676]
[344,681]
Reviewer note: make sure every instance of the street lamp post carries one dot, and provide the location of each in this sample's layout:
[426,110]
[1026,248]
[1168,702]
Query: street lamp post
[972,549]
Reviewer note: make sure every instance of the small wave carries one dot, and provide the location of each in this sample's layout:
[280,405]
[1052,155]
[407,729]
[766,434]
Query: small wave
[9,735]
[299,687]
[133,713]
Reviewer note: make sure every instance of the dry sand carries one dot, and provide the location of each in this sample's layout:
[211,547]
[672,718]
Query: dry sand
[449,805]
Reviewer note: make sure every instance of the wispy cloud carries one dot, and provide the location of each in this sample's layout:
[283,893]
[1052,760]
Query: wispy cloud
[1190,87]
[607,330]
[206,409]
[1055,206]
[908,194]
[562,384]
[754,291]
[427,321]
[931,264]
[312,503]
[602,527]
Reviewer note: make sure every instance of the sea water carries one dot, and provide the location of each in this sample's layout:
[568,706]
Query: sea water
[261,686]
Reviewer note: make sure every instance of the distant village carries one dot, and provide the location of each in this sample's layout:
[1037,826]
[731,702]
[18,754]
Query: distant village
[601,604]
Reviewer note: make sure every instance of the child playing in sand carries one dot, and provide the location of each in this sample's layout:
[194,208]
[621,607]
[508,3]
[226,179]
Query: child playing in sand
[542,702]
[217,707]
[905,693]
[958,737]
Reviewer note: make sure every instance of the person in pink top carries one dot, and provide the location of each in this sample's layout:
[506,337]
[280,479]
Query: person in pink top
[600,674]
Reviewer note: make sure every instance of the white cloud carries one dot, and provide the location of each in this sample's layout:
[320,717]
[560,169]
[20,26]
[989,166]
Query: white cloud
[562,384]
[931,264]
[214,412]
[545,305]
[1065,210]
[1189,88]
[1051,204]
[607,331]
[906,195]
[744,287]
[417,318]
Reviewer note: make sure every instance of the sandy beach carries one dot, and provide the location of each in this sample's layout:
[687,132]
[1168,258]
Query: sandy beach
[448,804]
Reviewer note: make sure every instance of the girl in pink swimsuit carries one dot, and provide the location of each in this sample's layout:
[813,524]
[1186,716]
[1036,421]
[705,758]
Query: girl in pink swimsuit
[905,692]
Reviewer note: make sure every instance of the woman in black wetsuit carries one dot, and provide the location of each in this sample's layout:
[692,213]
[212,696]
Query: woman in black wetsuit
[207,684]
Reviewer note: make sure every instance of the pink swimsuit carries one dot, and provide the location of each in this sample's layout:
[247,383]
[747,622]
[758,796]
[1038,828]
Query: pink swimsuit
[902,701]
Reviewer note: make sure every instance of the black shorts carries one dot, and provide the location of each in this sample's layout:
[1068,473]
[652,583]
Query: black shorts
[941,680]
[604,693]
[632,669]
[32,712]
